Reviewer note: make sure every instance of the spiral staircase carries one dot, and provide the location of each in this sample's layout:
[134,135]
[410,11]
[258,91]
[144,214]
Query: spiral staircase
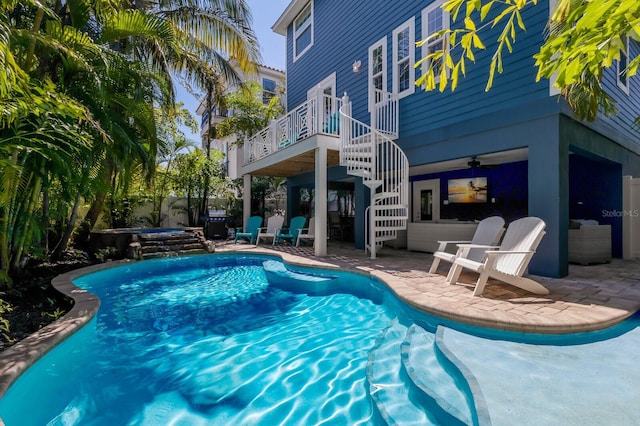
[370,153]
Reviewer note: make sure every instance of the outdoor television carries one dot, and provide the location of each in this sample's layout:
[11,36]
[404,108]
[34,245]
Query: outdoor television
[467,190]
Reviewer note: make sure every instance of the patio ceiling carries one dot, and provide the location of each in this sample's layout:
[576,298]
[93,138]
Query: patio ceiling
[487,159]
[302,163]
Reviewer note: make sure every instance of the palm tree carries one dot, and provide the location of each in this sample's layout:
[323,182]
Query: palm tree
[38,125]
[77,96]
[196,40]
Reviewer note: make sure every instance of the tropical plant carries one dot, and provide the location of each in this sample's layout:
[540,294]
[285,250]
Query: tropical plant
[78,93]
[174,143]
[250,114]
[188,180]
[584,38]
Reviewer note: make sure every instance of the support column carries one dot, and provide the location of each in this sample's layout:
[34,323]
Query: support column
[549,200]
[246,199]
[320,201]
[362,198]
[627,206]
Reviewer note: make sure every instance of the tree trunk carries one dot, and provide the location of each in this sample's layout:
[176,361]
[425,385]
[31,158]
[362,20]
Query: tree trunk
[91,218]
[207,178]
[24,237]
[64,241]
[45,220]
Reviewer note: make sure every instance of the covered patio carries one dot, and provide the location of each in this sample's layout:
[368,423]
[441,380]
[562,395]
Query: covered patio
[314,154]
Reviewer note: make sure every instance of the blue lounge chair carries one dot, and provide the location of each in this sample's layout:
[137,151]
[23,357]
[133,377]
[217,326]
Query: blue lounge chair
[250,232]
[291,233]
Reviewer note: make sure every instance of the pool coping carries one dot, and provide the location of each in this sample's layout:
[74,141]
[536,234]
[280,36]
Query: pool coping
[18,358]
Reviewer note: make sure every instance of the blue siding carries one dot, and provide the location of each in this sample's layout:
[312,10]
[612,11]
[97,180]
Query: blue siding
[345,30]
[628,105]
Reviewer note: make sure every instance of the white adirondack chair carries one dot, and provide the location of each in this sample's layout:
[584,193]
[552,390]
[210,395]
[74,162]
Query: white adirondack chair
[307,233]
[507,262]
[488,232]
[273,224]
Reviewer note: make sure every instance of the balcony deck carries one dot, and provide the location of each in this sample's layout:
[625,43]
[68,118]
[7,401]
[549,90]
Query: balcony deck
[296,158]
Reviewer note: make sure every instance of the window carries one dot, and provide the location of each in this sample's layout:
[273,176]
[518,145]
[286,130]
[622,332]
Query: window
[268,90]
[434,19]
[403,59]
[377,69]
[303,31]
[621,69]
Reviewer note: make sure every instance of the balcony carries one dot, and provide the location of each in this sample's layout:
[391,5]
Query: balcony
[285,147]
[294,136]
[219,114]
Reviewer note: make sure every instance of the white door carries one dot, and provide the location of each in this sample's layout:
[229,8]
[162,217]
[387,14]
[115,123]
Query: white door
[426,200]
[325,92]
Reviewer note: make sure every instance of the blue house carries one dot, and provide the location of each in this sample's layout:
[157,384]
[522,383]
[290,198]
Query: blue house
[419,166]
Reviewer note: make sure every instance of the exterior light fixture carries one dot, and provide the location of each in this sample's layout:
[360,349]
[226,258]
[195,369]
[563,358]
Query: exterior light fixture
[356,66]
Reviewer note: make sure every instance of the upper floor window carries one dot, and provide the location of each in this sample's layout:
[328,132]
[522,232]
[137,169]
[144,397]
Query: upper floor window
[377,70]
[303,31]
[404,58]
[434,19]
[268,90]
[622,77]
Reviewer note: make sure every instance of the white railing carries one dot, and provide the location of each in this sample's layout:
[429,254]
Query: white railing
[384,168]
[300,123]
[385,116]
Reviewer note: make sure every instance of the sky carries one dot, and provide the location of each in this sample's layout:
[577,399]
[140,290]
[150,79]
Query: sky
[272,47]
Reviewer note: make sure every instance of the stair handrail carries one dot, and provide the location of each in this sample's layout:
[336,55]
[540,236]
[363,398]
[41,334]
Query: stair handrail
[385,117]
[387,178]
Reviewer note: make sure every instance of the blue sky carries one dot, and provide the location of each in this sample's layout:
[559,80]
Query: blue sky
[272,45]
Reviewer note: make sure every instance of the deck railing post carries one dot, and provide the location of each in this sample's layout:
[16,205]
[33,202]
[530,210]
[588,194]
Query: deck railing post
[319,110]
[273,133]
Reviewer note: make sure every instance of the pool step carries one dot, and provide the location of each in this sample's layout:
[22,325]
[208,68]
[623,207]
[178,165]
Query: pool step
[154,245]
[387,381]
[444,383]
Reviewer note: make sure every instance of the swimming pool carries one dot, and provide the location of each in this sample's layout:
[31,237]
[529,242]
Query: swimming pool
[218,340]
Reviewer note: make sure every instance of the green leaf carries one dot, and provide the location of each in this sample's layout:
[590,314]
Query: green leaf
[443,81]
[520,21]
[492,72]
[454,78]
[485,10]
[469,24]
[477,43]
[505,12]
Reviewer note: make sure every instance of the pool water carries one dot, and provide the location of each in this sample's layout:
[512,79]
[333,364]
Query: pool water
[219,340]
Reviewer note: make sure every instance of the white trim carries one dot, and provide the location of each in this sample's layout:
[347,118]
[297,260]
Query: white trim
[383,44]
[553,90]
[426,31]
[620,83]
[297,31]
[265,91]
[410,25]
[287,17]
[327,82]
[418,187]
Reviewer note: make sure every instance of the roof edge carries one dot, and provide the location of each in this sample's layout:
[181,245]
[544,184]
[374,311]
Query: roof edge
[289,14]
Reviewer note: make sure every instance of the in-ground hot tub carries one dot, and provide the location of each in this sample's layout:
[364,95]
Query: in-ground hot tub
[120,238]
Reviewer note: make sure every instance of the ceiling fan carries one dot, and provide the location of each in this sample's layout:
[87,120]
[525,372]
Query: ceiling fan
[476,164]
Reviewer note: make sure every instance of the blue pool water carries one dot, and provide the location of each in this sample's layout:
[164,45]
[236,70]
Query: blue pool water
[220,340]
